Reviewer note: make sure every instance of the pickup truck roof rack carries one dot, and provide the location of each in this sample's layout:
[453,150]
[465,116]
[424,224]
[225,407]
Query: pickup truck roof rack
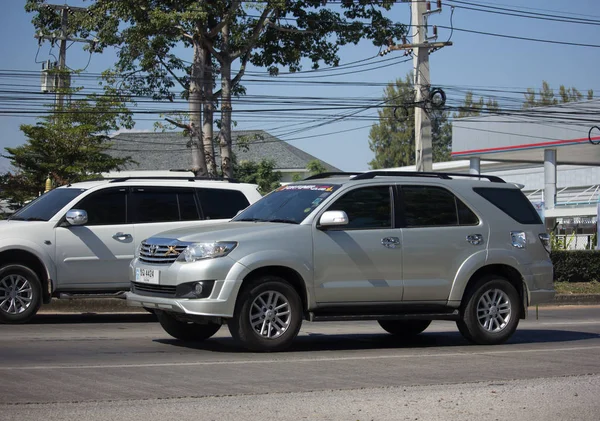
[331,174]
[379,173]
[443,175]
[121,179]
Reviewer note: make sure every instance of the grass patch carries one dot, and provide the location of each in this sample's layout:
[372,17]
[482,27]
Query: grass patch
[592,287]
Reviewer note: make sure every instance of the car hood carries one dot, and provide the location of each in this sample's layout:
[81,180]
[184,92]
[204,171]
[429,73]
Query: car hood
[14,228]
[228,231]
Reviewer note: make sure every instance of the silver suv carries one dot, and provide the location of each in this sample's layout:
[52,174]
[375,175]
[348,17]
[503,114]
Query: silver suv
[78,240]
[400,248]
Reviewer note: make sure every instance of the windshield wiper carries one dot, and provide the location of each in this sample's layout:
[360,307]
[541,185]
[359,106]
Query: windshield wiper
[249,220]
[15,218]
[285,221]
[35,218]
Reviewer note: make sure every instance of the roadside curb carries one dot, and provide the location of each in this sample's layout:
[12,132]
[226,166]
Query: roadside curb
[119,305]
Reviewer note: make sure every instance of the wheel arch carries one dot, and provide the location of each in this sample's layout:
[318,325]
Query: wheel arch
[287,273]
[32,261]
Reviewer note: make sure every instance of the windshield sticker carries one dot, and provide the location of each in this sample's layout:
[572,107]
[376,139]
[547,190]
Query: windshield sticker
[313,187]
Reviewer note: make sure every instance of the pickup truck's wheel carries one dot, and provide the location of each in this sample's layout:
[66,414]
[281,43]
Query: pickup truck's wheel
[268,315]
[20,294]
[186,331]
[490,312]
[405,328]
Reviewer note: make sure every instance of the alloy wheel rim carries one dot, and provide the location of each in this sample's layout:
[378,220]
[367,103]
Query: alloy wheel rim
[494,310]
[16,294]
[270,315]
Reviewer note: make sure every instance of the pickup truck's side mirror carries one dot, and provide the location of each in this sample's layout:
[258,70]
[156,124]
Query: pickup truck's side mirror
[76,217]
[333,219]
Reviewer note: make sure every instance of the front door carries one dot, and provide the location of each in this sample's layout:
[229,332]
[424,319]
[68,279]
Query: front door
[361,262]
[97,254]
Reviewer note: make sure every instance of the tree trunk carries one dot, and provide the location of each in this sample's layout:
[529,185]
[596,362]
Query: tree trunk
[208,115]
[225,133]
[195,100]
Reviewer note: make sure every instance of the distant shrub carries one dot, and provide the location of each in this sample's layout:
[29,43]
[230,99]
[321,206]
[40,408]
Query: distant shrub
[576,265]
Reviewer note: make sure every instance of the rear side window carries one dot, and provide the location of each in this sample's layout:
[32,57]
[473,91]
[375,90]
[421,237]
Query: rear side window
[428,206]
[147,205]
[512,202]
[221,203]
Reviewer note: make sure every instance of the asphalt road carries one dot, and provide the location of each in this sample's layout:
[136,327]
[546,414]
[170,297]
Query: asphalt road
[124,367]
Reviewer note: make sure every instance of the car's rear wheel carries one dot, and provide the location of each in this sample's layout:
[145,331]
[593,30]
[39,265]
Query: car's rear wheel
[404,328]
[490,312]
[20,294]
[268,315]
[186,331]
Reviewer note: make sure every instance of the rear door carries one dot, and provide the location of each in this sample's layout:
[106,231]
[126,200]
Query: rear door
[439,233]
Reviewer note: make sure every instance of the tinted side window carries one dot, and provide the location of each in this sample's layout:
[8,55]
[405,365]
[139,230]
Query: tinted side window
[368,207]
[147,205]
[426,206]
[221,203]
[512,202]
[105,207]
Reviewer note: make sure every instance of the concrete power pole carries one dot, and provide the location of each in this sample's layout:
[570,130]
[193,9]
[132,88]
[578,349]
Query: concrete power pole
[63,37]
[420,47]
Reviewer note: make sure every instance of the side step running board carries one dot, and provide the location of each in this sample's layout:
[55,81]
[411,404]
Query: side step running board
[409,316]
[75,296]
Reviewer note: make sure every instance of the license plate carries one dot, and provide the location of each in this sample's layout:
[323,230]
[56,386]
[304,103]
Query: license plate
[149,276]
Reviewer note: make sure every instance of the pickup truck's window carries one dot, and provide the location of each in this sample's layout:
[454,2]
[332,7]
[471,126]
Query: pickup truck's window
[105,207]
[45,207]
[367,208]
[148,204]
[221,203]
[430,206]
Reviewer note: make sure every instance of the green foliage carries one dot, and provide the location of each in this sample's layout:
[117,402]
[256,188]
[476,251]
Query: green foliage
[262,173]
[68,145]
[316,167]
[393,138]
[545,96]
[576,265]
[471,108]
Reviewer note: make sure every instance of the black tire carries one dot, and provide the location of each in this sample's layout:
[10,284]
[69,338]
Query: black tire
[21,304]
[276,332]
[490,311]
[404,328]
[186,331]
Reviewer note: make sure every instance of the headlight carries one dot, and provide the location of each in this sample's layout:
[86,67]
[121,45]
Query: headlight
[199,251]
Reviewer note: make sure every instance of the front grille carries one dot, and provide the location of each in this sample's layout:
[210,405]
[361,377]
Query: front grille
[160,254]
[153,289]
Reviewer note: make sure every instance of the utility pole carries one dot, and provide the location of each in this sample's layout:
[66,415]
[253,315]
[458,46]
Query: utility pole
[423,94]
[63,37]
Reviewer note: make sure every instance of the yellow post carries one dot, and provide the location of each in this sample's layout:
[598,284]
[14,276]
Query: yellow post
[48,184]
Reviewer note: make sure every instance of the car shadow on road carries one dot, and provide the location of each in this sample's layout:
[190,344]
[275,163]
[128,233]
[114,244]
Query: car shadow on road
[94,318]
[374,341]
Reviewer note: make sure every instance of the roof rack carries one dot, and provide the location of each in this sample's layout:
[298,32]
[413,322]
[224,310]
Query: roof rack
[330,174]
[442,175]
[121,179]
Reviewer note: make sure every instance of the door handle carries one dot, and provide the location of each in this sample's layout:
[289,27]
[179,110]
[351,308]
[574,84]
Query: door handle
[390,242]
[475,239]
[122,236]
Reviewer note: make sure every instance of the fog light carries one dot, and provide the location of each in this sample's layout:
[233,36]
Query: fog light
[198,288]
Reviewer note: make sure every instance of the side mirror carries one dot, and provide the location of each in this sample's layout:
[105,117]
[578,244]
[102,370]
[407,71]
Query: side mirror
[77,217]
[333,219]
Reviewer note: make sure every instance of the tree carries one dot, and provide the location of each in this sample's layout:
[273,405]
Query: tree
[67,145]
[147,34]
[316,167]
[470,108]
[546,97]
[393,138]
[263,174]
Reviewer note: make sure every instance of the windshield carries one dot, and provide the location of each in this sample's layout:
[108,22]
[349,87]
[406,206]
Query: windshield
[45,207]
[288,204]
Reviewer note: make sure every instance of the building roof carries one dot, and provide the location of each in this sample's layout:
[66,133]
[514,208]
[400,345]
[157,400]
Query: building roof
[168,150]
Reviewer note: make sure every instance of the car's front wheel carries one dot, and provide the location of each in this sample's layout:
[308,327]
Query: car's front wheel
[491,311]
[268,315]
[404,328]
[186,331]
[20,294]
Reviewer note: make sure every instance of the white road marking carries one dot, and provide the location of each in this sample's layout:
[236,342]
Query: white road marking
[299,360]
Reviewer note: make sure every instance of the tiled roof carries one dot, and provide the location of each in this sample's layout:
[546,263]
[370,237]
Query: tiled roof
[168,150]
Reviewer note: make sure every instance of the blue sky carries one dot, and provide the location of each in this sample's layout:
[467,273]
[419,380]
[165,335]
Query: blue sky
[474,62]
